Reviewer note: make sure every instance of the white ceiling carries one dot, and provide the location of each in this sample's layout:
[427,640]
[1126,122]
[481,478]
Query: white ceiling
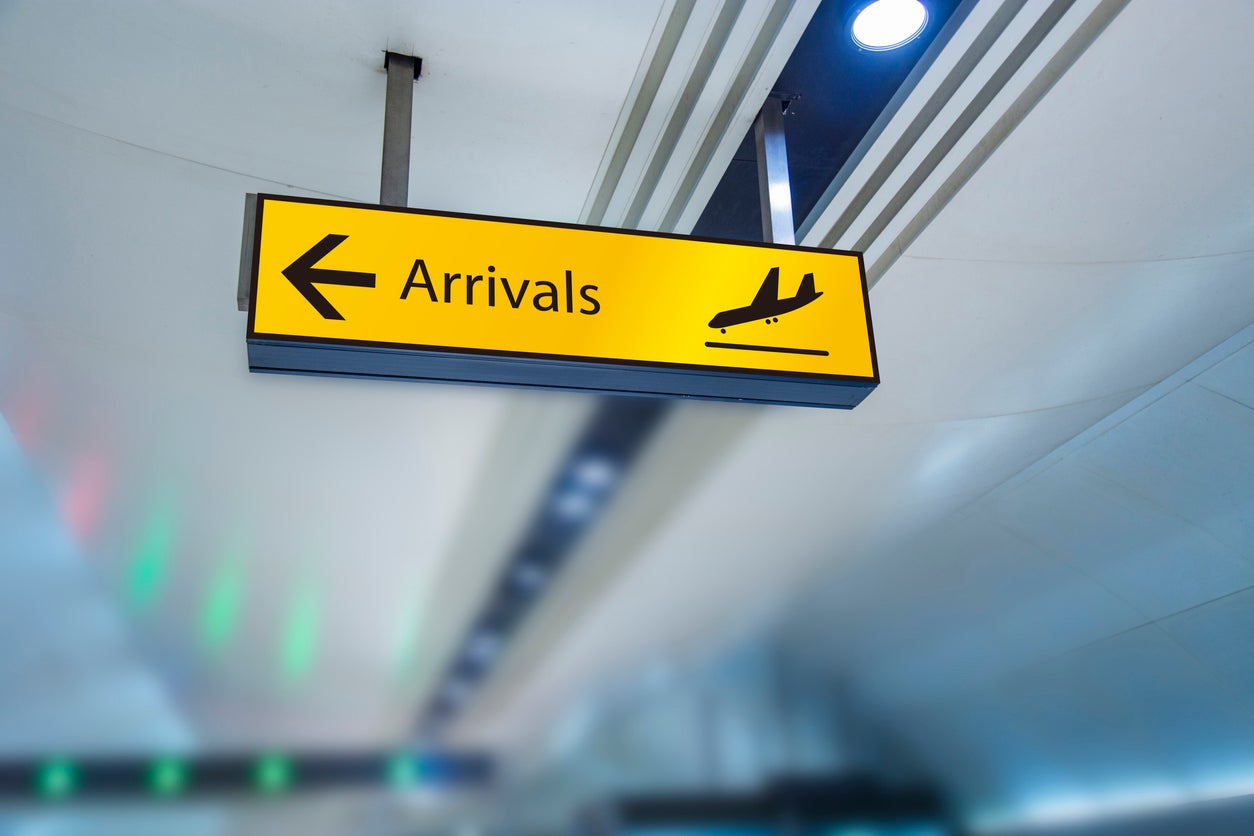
[1105,244]
[1075,637]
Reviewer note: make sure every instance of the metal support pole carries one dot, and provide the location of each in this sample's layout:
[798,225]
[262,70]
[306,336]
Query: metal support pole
[398,120]
[773,187]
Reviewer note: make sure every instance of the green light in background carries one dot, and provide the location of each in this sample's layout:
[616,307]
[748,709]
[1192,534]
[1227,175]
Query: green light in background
[272,774]
[150,564]
[300,635]
[402,771]
[405,660]
[56,779]
[219,615]
[167,776]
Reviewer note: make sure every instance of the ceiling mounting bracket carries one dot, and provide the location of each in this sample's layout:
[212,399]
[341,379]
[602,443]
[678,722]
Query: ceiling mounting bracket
[398,122]
[774,188]
[784,97]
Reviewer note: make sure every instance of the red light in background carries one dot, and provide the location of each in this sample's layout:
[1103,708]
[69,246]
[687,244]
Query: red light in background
[84,497]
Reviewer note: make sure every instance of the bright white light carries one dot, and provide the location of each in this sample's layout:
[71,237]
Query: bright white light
[888,24]
[574,506]
[1072,809]
[595,473]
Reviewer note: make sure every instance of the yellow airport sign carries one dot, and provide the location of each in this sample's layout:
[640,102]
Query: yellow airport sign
[351,289]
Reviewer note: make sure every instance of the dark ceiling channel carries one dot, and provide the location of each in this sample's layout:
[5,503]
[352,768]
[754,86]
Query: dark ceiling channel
[940,97]
[842,91]
[585,482]
[268,773]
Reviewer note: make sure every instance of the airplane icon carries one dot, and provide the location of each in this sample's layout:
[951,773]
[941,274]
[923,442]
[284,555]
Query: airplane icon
[767,305]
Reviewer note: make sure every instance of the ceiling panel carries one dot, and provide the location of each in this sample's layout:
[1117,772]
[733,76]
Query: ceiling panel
[1082,612]
[1150,559]
[1217,635]
[1193,456]
[1232,377]
[1175,703]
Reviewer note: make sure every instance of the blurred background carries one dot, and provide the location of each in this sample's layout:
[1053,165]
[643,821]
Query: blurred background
[1011,592]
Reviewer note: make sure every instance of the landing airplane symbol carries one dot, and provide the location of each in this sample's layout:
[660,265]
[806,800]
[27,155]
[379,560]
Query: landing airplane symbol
[767,305]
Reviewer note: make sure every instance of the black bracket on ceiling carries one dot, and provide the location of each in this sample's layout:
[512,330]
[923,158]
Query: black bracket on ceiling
[786,98]
[417,61]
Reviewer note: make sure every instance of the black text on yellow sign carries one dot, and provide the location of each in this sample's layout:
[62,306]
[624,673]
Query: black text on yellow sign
[350,289]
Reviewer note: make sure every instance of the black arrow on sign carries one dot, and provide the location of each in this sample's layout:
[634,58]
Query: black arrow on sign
[303,275]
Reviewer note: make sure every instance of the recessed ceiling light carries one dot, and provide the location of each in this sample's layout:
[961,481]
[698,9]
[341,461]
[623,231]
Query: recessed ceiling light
[888,24]
[574,506]
[595,472]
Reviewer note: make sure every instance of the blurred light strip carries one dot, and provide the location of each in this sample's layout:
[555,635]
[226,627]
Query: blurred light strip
[405,644]
[1127,804]
[167,778]
[301,629]
[219,614]
[149,567]
[585,482]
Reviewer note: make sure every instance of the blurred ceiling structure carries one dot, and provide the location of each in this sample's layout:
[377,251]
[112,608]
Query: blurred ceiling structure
[1028,552]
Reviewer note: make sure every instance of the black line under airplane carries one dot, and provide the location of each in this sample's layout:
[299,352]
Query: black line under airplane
[767,305]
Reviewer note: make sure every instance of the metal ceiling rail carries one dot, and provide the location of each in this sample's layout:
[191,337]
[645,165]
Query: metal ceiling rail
[398,123]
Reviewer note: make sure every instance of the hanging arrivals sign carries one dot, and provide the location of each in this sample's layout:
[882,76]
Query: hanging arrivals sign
[362,290]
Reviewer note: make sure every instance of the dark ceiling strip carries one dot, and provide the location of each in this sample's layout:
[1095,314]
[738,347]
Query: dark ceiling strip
[585,482]
[854,799]
[270,773]
[922,121]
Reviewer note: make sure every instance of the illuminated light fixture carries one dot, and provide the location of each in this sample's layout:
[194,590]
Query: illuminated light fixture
[272,774]
[888,24]
[595,473]
[402,771]
[57,779]
[574,506]
[167,776]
